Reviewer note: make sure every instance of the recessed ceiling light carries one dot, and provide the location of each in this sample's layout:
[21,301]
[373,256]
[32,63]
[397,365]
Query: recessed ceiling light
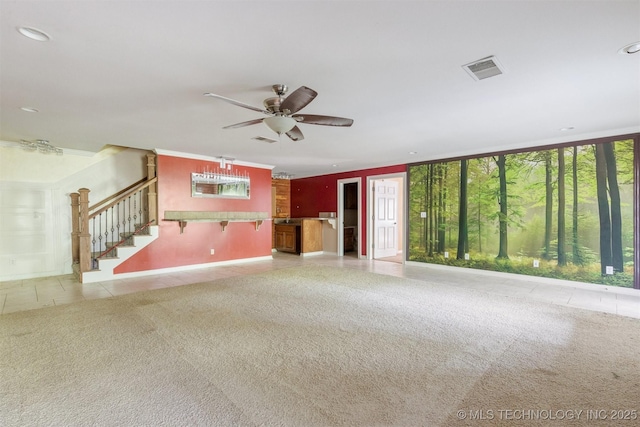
[566,129]
[34,34]
[29,109]
[630,48]
[335,166]
[413,152]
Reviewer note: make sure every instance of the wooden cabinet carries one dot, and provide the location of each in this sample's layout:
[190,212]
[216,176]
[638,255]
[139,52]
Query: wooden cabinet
[287,238]
[348,239]
[311,235]
[280,198]
[302,237]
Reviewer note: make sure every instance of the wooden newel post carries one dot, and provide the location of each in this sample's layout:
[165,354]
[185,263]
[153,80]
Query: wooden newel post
[152,193]
[75,228]
[84,237]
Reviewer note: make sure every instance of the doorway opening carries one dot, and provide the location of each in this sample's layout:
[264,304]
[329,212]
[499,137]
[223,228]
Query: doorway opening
[349,214]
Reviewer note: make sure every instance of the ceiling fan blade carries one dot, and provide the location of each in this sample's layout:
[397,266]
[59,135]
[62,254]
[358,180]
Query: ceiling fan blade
[298,99]
[238,103]
[243,124]
[295,134]
[312,119]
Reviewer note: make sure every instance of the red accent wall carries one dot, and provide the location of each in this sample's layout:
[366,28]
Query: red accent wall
[309,196]
[240,239]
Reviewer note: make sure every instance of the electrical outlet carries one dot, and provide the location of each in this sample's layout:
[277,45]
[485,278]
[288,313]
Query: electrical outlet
[213,251]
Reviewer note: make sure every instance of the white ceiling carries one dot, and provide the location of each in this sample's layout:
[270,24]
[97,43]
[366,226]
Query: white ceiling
[133,73]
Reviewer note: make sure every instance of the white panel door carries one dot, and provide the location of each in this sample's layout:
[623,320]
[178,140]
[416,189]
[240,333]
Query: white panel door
[385,218]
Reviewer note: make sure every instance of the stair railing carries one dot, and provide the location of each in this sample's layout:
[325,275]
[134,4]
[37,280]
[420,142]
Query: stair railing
[112,222]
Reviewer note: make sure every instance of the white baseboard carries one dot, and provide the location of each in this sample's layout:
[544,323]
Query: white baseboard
[306,254]
[181,268]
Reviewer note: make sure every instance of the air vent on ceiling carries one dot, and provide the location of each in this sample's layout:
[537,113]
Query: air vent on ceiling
[484,68]
[264,139]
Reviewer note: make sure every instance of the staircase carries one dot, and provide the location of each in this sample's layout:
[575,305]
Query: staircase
[111,231]
[103,265]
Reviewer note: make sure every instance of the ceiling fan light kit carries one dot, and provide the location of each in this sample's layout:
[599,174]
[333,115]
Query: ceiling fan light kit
[279,124]
[282,112]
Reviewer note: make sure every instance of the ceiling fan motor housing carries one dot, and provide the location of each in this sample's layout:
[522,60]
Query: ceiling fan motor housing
[280,90]
[273,104]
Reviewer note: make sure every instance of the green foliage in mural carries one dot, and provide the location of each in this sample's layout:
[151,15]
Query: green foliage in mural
[563,213]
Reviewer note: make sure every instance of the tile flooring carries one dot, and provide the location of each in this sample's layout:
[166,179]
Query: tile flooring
[21,295]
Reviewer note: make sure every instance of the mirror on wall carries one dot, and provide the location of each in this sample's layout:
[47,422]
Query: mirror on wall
[220,184]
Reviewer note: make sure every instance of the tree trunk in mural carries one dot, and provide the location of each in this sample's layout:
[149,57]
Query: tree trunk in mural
[606,258]
[430,214]
[445,205]
[548,209]
[501,161]
[616,215]
[562,258]
[577,258]
[440,221]
[425,231]
[479,218]
[438,201]
[463,232]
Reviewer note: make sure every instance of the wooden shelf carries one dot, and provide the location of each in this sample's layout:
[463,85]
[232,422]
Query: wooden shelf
[224,218]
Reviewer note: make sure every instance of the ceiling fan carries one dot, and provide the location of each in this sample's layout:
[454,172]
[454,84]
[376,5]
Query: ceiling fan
[282,112]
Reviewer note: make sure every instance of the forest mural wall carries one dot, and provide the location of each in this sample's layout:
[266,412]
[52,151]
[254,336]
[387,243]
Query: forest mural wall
[565,212]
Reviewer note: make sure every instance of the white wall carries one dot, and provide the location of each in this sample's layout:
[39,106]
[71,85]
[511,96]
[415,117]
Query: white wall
[35,211]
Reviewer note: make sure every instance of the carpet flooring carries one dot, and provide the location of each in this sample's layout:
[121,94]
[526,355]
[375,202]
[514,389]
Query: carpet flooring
[317,346]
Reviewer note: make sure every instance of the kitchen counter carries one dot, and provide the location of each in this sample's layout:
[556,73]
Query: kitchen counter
[297,221]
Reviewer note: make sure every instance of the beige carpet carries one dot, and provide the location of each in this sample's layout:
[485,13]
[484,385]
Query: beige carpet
[316,346]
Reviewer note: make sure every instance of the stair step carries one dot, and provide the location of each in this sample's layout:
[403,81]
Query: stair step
[110,255]
[112,244]
[104,266]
